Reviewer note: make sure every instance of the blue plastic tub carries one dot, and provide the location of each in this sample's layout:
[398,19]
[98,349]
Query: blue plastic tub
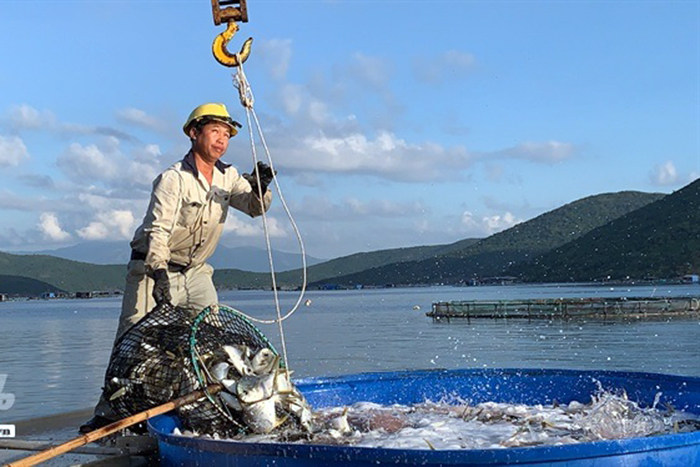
[500,385]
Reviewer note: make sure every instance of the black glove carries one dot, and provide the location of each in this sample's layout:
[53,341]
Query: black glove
[161,288]
[266,176]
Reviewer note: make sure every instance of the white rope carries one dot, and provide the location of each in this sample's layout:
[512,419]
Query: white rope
[245,93]
[247,100]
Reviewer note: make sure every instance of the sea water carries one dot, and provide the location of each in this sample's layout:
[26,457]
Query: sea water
[54,352]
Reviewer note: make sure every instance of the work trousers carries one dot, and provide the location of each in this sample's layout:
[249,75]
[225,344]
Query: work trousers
[192,288]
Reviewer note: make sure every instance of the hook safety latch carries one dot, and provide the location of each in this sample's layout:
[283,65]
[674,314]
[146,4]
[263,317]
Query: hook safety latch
[234,10]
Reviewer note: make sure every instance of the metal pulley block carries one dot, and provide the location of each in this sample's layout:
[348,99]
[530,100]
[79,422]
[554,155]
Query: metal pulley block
[229,10]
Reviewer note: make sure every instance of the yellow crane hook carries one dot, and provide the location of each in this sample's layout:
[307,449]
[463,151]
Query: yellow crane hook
[236,12]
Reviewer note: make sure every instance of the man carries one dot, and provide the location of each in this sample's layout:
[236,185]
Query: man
[183,224]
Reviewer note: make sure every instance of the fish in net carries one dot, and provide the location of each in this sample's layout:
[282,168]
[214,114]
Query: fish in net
[166,355]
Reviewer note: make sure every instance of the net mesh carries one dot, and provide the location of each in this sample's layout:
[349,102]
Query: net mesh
[164,356]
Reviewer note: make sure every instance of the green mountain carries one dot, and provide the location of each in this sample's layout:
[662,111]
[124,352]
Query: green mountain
[493,255]
[660,240]
[362,261]
[231,278]
[237,279]
[498,254]
[63,274]
[25,286]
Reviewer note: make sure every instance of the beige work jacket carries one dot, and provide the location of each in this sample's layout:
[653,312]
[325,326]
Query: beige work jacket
[186,215]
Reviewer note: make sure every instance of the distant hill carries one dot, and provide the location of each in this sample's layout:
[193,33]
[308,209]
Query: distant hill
[493,255]
[75,276]
[25,286]
[37,274]
[503,253]
[362,261]
[93,252]
[247,258]
[659,240]
[63,274]
[242,258]
[229,278]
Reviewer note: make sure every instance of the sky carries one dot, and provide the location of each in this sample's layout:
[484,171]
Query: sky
[390,123]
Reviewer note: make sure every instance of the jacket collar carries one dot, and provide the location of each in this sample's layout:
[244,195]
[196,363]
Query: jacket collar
[190,165]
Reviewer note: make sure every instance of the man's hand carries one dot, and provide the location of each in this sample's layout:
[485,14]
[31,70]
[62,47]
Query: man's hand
[266,176]
[161,288]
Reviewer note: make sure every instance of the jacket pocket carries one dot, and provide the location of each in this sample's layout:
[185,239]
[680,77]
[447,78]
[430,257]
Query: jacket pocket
[219,208]
[189,212]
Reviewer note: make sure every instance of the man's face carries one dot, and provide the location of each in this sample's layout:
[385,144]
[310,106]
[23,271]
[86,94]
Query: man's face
[212,141]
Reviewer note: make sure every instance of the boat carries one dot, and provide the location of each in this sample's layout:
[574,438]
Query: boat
[518,385]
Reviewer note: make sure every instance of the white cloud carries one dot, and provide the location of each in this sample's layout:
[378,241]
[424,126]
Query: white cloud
[370,71]
[252,228]
[27,117]
[13,201]
[93,164]
[94,231]
[51,228]
[453,64]
[494,172]
[318,137]
[452,124]
[148,153]
[499,222]
[384,208]
[94,201]
[38,181]
[664,174]
[12,151]
[292,98]
[386,155]
[112,225]
[87,163]
[276,55]
[487,225]
[139,118]
[318,208]
[318,112]
[458,60]
[548,152]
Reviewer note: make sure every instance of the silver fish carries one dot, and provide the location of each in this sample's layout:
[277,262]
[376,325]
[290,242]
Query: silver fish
[239,357]
[264,362]
[262,393]
[258,399]
[220,371]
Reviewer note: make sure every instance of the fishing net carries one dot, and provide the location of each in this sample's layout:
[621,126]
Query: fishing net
[164,356]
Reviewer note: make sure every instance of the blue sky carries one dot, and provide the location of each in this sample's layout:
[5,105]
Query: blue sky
[391,123]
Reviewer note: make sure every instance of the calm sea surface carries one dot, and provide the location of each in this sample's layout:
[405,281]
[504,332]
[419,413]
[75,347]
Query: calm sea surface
[54,353]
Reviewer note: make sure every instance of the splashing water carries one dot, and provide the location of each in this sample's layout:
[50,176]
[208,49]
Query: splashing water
[454,424]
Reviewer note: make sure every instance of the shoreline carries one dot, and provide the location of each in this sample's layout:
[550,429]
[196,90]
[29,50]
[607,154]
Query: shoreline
[331,288]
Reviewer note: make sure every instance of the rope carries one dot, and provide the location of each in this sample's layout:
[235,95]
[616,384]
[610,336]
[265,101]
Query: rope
[247,99]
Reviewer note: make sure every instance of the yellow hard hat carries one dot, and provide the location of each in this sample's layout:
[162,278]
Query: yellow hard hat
[211,111]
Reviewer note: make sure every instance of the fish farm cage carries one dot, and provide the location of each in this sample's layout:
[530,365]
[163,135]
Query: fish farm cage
[565,308]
